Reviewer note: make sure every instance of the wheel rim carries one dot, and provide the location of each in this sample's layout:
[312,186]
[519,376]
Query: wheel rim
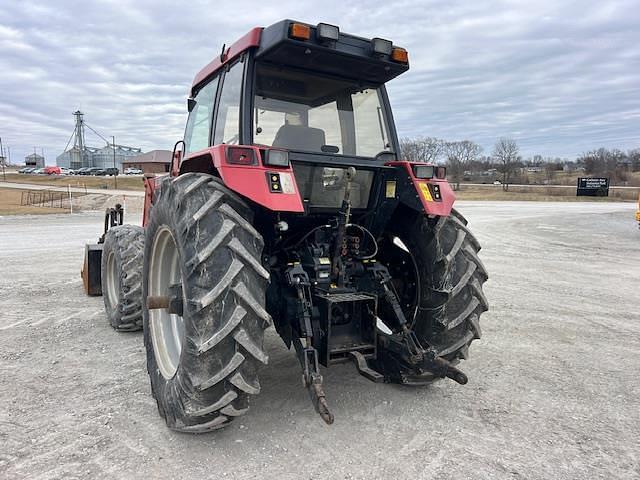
[167,330]
[112,289]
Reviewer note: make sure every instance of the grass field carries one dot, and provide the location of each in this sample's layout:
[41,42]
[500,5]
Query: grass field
[540,194]
[108,183]
[10,200]
[632,179]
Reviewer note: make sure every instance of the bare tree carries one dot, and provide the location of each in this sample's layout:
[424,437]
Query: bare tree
[505,153]
[459,156]
[421,149]
[595,161]
[634,156]
[605,162]
[550,170]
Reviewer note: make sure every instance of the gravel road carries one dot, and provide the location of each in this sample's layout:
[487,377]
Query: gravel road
[553,390]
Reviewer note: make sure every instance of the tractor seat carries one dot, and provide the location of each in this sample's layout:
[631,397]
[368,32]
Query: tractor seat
[299,137]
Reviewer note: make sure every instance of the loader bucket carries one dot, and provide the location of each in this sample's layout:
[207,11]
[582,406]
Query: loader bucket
[91,269]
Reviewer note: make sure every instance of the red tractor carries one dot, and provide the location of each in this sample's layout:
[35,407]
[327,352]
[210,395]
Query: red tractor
[288,204]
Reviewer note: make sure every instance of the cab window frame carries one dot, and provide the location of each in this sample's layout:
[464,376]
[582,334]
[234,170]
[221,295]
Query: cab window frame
[348,140]
[244,59]
[214,110]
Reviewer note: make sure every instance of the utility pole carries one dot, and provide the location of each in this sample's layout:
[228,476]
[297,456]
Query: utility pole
[4,174]
[115,177]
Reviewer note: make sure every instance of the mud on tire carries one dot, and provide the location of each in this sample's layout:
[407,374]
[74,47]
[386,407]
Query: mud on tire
[122,277]
[223,283]
[451,276]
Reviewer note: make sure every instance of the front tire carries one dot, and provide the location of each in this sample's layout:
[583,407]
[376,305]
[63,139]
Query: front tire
[203,365]
[121,276]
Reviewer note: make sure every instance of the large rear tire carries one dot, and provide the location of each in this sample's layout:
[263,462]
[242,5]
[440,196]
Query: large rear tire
[121,276]
[439,282]
[203,365]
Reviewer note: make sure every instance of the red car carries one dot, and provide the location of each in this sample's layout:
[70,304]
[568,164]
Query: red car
[52,170]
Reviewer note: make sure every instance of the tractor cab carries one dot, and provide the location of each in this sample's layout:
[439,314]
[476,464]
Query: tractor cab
[306,101]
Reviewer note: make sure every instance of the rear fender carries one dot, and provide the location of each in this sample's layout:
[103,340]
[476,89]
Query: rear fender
[251,181]
[434,196]
[151,184]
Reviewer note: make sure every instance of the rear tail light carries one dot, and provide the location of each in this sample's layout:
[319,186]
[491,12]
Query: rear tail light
[423,171]
[400,55]
[441,172]
[241,156]
[300,31]
[276,158]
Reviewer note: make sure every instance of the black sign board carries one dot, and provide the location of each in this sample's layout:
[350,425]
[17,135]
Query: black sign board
[593,187]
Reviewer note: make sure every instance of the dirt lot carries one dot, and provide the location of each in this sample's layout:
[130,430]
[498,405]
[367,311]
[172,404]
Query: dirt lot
[553,389]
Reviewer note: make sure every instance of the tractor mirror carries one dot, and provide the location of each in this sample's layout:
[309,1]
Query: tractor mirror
[191,103]
[329,149]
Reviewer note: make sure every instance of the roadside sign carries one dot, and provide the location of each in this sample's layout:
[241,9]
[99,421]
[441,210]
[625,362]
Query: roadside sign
[593,187]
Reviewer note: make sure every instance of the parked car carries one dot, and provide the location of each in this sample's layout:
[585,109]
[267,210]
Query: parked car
[497,182]
[23,170]
[30,170]
[83,171]
[39,171]
[53,170]
[97,171]
[65,171]
[111,171]
[133,171]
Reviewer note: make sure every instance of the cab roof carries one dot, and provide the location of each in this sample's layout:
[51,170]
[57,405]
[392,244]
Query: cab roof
[347,56]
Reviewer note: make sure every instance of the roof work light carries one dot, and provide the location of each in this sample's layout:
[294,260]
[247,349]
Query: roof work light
[324,31]
[381,46]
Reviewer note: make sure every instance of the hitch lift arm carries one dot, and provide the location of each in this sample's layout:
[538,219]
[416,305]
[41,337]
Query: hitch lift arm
[405,344]
[302,341]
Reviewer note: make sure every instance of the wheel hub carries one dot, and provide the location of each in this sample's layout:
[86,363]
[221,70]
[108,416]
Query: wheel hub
[166,329]
[111,289]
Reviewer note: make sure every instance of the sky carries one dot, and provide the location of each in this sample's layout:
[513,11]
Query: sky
[559,77]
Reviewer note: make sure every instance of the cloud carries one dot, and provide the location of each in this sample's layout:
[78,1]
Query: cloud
[559,77]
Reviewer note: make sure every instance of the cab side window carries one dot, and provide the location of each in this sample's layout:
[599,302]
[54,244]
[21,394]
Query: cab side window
[196,136]
[227,128]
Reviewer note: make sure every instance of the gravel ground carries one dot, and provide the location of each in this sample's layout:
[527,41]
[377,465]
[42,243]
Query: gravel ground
[553,389]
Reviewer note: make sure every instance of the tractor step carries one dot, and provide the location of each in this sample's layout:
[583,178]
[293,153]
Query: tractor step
[349,322]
